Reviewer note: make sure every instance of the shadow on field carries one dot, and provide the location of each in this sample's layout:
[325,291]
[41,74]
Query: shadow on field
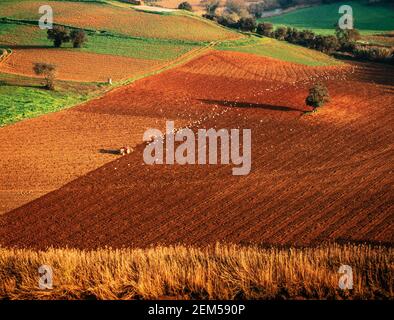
[21,47]
[236,104]
[21,84]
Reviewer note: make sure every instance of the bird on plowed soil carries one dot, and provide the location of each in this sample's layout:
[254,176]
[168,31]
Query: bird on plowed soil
[125,150]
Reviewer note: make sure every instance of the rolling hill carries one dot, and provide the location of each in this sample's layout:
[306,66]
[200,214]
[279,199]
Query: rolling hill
[369,19]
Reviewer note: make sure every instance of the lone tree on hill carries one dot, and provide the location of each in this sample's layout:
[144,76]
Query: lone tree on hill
[185,6]
[48,71]
[318,96]
[59,35]
[78,38]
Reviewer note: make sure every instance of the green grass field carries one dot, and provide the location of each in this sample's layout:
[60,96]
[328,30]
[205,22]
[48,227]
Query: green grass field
[279,50]
[369,19]
[22,97]
[107,43]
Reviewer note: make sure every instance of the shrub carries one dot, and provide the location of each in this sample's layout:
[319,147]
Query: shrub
[373,53]
[228,19]
[327,44]
[347,39]
[306,38]
[59,35]
[280,33]
[292,35]
[78,38]
[247,24]
[48,71]
[265,29]
[185,6]
[318,96]
[210,7]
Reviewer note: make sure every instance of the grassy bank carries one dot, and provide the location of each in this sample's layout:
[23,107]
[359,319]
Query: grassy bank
[23,97]
[26,35]
[219,272]
[279,50]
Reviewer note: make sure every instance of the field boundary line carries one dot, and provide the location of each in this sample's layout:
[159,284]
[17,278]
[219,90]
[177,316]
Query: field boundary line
[5,55]
[187,57]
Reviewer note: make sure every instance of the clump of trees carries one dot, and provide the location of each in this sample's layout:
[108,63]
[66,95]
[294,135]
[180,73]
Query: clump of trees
[78,38]
[185,6]
[306,38]
[318,96]
[379,54]
[265,29]
[247,23]
[347,38]
[210,7]
[234,14]
[60,35]
[48,71]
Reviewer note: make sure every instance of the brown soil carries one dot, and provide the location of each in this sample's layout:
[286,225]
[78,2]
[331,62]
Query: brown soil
[77,66]
[326,176]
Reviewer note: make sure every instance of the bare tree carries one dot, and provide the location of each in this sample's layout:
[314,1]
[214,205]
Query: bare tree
[48,71]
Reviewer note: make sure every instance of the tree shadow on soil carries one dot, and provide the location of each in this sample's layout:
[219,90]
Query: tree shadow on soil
[110,151]
[236,104]
[27,85]
[21,47]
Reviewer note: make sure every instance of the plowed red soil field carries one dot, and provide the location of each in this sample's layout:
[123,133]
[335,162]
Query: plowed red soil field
[77,66]
[116,18]
[325,176]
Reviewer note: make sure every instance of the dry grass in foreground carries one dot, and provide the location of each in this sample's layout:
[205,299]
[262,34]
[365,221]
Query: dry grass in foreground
[217,272]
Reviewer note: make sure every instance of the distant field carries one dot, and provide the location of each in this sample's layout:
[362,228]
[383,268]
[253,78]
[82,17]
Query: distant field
[77,66]
[13,34]
[117,19]
[368,19]
[279,50]
[118,57]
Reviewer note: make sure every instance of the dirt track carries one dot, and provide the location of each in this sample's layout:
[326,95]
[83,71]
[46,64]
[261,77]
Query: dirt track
[314,178]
